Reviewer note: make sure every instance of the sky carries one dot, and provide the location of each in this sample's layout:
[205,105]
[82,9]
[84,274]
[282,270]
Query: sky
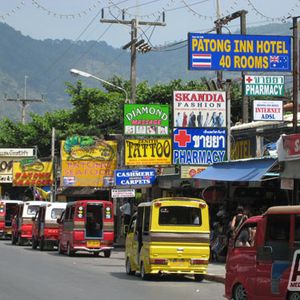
[80,19]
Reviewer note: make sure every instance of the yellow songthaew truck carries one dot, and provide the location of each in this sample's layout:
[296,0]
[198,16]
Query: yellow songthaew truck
[169,236]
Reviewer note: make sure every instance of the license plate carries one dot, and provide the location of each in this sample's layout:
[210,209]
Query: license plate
[178,262]
[93,244]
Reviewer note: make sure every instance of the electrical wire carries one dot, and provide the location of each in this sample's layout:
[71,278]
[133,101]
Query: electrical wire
[13,10]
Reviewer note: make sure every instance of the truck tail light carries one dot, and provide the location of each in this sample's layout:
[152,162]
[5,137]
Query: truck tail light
[158,261]
[197,261]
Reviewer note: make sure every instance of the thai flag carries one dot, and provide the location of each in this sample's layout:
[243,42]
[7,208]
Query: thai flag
[279,62]
[201,60]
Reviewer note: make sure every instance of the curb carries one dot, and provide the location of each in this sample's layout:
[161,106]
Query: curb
[215,278]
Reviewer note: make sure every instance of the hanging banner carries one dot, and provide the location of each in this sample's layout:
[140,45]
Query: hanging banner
[32,172]
[148,152]
[146,119]
[237,52]
[88,161]
[199,109]
[267,110]
[135,177]
[123,193]
[264,85]
[198,146]
[8,156]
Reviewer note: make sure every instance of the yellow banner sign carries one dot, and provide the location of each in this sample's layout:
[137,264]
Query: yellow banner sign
[31,172]
[148,152]
[88,165]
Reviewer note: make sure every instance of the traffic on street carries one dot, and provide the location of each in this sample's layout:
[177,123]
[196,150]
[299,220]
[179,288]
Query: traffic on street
[44,275]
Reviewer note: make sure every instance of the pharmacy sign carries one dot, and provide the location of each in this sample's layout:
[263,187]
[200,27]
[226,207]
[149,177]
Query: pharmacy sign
[264,85]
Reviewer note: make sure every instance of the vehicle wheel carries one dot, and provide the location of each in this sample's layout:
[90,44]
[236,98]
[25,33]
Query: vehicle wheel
[128,267]
[199,277]
[144,276]
[69,251]
[33,243]
[60,250]
[41,244]
[96,253]
[239,293]
[107,253]
[294,296]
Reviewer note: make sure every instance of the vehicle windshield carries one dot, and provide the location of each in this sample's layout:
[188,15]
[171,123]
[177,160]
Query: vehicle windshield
[179,215]
[32,209]
[56,213]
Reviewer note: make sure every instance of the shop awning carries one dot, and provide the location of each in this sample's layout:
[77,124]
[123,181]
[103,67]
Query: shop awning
[239,170]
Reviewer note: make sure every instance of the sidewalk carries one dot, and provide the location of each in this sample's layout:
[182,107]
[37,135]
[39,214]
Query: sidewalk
[215,272]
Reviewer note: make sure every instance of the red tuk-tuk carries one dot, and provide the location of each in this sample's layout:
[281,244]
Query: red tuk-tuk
[22,222]
[45,227]
[8,209]
[87,225]
[261,257]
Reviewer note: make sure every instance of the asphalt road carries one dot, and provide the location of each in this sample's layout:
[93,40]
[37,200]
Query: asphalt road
[27,274]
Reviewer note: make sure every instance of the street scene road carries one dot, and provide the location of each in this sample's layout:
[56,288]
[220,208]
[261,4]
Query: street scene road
[28,274]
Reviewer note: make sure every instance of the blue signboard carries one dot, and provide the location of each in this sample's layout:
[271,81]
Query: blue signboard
[130,177]
[239,52]
[198,146]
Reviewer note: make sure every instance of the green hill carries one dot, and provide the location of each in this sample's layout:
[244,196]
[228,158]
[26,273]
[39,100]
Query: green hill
[47,64]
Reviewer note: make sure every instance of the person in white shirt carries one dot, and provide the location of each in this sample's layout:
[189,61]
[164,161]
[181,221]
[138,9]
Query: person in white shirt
[126,210]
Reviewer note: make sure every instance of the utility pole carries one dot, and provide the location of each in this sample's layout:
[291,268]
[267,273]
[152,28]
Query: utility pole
[24,102]
[244,97]
[134,44]
[224,21]
[295,73]
[219,31]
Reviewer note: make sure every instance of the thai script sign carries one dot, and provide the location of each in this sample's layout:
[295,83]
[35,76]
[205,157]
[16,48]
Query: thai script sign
[264,85]
[146,119]
[87,161]
[239,52]
[32,172]
[122,193]
[198,146]
[267,110]
[199,109]
[148,152]
[132,177]
[17,152]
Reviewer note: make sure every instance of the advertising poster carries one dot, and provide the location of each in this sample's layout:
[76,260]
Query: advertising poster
[198,146]
[32,172]
[87,161]
[267,110]
[135,177]
[199,109]
[146,119]
[237,52]
[8,156]
[188,172]
[148,152]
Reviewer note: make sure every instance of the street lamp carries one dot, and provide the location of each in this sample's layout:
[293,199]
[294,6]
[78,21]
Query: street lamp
[85,74]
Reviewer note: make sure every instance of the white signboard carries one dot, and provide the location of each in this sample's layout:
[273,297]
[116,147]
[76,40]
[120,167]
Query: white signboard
[122,193]
[17,152]
[267,110]
[198,109]
[264,85]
